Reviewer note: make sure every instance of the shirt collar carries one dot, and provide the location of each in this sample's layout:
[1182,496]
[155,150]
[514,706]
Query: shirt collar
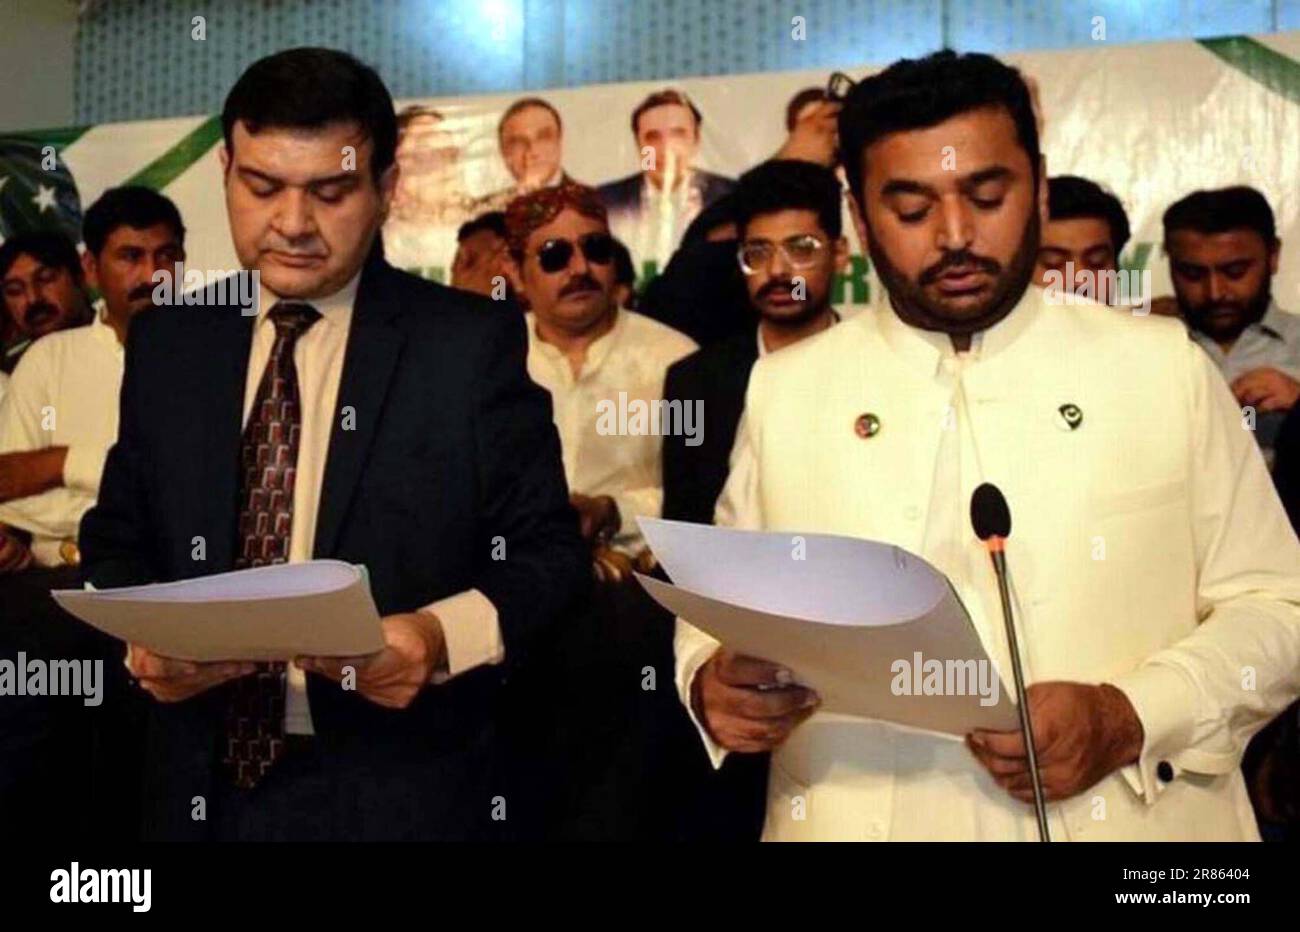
[334,308]
[927,349]
[100,330]
[1269,324]
[762,347]
[597,352]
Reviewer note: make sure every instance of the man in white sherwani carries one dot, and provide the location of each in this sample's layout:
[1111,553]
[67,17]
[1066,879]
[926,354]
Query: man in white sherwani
[1155,578]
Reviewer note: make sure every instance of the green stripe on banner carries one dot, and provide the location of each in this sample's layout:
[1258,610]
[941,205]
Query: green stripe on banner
[169,166]
[1260,63]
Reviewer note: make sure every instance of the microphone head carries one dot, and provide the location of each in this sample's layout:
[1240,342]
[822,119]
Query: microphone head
[989,513]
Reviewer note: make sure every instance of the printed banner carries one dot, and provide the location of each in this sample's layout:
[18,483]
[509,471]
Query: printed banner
[1150,122]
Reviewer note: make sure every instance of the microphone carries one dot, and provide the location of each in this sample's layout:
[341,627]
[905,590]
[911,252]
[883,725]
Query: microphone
[991,518]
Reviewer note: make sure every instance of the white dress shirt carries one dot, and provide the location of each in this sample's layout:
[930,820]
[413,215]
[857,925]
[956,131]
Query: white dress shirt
[1148,550]
[469,620]
[64,392]
[625,365]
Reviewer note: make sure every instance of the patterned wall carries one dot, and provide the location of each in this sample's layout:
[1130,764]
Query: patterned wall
[138,59]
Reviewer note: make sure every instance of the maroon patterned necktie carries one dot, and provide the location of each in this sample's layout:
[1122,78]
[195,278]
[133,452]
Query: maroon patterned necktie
[254,735]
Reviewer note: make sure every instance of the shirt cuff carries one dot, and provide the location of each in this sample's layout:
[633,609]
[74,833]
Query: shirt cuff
[471,631]
[1165,702]
[692,649]
[83,466]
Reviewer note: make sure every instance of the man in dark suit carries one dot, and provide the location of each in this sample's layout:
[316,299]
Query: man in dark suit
[668,193]
[361,414]
[788,221]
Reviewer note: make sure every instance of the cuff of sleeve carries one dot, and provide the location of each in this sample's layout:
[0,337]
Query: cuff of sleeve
[1165,703]
[692,649]
[471,631]
[83,466]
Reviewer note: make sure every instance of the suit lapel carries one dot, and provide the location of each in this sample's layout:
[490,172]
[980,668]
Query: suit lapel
[224,358]
[374,345]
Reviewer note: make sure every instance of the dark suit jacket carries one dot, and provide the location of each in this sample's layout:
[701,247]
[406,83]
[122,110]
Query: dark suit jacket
[727,805]
[453,447]
[624,195]
[719,375]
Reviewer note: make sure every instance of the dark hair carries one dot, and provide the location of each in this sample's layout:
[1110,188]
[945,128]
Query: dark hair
[494,221]
[308,88]
[132,206]
[624,270]
[1235,208]
[787,184]
[526,103]
[920,93]
[800,100]
[664,98]
[46,247]
[1069,196]
[719,213]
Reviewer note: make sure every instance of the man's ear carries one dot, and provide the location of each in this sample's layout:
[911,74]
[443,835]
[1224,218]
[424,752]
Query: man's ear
[223,155]
[1273,255]
[90,269]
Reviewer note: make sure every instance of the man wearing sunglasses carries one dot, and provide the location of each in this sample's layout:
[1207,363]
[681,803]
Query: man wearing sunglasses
[597,361]
[581,746]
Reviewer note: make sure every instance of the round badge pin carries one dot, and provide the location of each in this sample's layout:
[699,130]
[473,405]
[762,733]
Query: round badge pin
[867,425]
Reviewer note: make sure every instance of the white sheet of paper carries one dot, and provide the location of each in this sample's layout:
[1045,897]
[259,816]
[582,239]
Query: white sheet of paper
[839,612]
[321,608]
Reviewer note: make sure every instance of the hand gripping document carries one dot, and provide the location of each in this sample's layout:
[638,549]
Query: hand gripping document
[322,608]
[875,630]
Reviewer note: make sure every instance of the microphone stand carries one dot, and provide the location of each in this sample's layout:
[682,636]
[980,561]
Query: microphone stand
[996,554]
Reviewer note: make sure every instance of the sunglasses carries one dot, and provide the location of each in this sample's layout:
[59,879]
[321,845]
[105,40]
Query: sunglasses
[555,254]
[800,252]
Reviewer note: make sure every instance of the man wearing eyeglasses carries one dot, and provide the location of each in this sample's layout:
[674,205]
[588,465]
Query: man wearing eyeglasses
[790,250]
[602,365]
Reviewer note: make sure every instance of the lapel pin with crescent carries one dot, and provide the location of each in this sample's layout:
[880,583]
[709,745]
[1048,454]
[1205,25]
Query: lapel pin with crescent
[866,426]
[1069,416]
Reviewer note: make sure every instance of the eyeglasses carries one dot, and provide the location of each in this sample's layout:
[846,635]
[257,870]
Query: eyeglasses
[799,252]
[554,254]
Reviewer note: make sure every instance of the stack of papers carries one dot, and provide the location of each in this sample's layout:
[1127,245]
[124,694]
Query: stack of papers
[878,632]
[322,608]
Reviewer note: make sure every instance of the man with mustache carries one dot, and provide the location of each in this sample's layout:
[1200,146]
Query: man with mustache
[1112,438]
[361,414]
[587,352]
[43,287]
[790,248]
[56,427]
[596,359]
[1223,253]
[60,415]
